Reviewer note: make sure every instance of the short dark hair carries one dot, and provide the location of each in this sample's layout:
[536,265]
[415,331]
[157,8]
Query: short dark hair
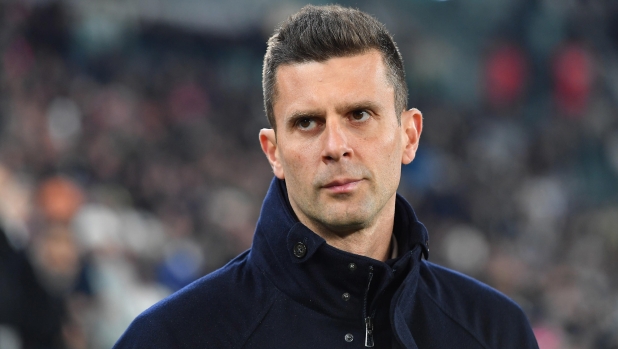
[318,33]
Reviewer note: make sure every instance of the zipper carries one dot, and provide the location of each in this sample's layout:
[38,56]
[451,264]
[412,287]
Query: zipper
[369,332]
[368,318]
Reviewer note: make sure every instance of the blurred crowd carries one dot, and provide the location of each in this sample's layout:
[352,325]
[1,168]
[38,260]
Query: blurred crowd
[130,164]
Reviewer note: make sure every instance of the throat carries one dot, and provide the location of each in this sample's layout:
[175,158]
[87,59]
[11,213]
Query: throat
[374,244]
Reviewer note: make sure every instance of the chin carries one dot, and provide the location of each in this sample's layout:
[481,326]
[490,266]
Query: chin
[346,224]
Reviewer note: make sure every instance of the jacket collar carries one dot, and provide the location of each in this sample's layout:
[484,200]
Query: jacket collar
[318,274]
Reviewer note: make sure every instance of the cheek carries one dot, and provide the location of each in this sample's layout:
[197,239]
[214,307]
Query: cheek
[387,148]
[387,158]
[296,164]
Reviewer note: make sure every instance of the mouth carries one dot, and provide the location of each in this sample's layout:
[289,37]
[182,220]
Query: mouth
[342,186]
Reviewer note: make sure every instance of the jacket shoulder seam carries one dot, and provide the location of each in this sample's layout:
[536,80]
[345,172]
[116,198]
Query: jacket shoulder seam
[261,315]
[452,317]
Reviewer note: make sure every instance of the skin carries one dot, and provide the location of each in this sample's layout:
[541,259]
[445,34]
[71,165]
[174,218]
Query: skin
[339,148]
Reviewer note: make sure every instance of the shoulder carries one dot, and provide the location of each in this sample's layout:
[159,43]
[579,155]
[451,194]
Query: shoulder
[219,310]
[487,314]
[452,288]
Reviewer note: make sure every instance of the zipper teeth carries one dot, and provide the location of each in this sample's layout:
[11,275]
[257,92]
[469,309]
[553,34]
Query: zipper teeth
[368,320]
[367,292]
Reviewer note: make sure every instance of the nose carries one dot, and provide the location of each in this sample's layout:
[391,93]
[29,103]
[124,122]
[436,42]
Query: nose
[336,143]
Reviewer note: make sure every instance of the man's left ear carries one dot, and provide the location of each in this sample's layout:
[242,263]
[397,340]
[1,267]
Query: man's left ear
[412,126]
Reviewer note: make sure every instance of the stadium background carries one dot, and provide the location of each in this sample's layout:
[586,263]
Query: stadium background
[129,160]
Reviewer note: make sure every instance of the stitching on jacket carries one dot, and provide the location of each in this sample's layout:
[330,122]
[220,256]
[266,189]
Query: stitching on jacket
[344,321]
[451,316]
[261,316]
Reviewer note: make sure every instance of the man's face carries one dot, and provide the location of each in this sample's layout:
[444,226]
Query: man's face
[338,143]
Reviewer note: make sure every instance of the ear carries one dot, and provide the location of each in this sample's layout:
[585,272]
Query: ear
[268,141]
[411,128]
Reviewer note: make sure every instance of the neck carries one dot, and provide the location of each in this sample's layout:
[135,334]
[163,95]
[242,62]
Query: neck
[371,241]
[366,242]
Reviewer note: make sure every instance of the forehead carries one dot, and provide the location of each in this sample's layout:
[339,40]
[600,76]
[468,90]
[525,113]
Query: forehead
[334,81]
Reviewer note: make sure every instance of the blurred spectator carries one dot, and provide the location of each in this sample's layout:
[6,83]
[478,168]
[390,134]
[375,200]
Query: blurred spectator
[506,75]
[573,74]
[30,317]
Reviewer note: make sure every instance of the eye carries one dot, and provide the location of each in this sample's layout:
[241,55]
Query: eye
[306,124]
[360,115]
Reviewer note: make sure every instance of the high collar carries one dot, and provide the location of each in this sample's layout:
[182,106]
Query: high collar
[320,276]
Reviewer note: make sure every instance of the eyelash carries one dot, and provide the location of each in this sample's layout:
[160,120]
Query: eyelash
[312,119]
[360,111]
[303,119]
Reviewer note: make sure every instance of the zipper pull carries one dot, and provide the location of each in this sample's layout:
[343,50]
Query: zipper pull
[368,332]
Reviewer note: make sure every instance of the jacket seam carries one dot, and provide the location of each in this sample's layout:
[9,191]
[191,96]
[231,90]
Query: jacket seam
[258,322]
[452,317]
[260,317]
[345,321]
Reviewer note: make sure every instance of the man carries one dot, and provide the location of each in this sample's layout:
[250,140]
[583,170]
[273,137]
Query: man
[337,257]
[29,316]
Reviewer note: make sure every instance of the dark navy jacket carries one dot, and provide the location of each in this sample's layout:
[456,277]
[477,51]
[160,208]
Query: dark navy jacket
[292,290]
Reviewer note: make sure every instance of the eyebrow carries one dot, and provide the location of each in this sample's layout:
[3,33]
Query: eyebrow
[301,114]
[366,104]
[341,109]
[305,114]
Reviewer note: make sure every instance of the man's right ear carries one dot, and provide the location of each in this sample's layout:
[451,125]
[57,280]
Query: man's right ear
[268,141]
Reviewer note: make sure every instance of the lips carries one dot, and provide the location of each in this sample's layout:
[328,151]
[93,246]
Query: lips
[342,185]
